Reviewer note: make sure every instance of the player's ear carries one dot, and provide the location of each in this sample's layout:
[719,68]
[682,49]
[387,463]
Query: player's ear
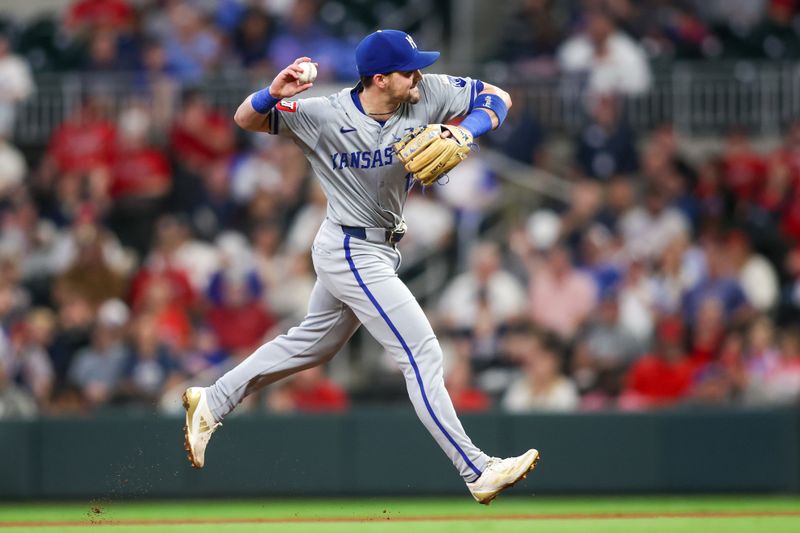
[381,80]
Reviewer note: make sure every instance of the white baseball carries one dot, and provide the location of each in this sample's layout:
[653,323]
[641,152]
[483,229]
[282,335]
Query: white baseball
[309,72]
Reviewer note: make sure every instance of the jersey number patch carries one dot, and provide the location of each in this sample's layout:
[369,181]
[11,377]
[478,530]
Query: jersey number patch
[286,105]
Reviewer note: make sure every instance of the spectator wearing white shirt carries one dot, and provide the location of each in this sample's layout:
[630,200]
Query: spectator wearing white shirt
[542,386]
[16,85]
[482,301]
[757,276]
[648,229]
[485,285]
[612,62]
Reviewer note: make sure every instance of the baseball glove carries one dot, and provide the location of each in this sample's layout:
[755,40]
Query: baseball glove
[428,156]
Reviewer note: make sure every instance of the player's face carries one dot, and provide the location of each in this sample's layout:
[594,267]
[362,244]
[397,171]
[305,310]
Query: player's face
[403,86]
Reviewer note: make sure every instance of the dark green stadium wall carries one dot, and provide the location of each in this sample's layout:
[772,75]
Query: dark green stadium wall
[387,451]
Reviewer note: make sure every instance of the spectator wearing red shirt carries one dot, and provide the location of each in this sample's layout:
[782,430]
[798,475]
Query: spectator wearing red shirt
[171,320]
[88,15]
[240,320]
[789,152]
[663,377]
[76,166]
[140,181]
[200,135]
[309,391]
[466,397]
[744,170]
[162,263]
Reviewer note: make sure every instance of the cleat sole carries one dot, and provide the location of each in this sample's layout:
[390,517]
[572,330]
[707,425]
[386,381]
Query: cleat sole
[186,446]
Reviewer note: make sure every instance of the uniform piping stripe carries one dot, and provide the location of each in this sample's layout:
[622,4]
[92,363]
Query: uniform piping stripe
[407,350]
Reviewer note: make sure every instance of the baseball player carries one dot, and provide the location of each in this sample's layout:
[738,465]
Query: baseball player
[367,146]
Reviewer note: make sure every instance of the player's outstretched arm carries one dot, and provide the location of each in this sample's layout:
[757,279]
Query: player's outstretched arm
[252,113]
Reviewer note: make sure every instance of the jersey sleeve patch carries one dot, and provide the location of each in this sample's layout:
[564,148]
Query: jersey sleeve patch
[287,106]
[457,82]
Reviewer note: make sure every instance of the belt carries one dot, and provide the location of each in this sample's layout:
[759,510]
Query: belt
[376,235]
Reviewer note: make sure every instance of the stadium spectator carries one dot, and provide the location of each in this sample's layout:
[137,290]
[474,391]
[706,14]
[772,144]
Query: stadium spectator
[16,85]
[482,301]
[200,134]
[141,178]
[612,62]
[542,385]
[719,283]
[762,358]
[28,362]
[155,82]
[707,332]
[648,228]
[193,48]
[459,380]
[90,276]
[150,366]
[252,39]
[743,169]
[301,32]
[789,310]
[256,170]
[98,368]
[782,384]
[215,210]
[160,302]
[239,319]
[531,37]
[663,377]
[679,269]
[75,169]
[309,391]
[561,298]
[13,169]
[609,346]
[75,322]
[171,259]
[776,37]
[756,275]
[522,137]
[84,17]
[15,402]
[606,146]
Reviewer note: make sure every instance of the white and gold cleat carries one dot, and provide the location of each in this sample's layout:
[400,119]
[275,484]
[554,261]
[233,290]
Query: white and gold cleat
[500,474]
[200,425]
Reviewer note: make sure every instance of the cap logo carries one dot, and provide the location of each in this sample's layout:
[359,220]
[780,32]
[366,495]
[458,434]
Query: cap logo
[411,42]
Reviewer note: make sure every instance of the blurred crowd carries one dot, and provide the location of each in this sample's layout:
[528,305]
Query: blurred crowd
[150,244]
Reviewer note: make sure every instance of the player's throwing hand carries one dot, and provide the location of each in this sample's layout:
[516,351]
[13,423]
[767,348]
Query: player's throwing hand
[286,84]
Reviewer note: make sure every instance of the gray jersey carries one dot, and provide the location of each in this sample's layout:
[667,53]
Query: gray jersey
[352,154]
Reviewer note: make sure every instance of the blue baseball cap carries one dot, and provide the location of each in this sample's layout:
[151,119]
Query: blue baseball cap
[390,50]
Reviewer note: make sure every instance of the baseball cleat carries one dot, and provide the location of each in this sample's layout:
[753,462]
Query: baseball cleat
[500,474]
[200,425]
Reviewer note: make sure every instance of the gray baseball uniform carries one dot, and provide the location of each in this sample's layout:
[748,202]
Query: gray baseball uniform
[356,267]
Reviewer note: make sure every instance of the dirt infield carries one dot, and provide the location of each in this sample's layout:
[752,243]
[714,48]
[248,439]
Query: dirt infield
[434,518]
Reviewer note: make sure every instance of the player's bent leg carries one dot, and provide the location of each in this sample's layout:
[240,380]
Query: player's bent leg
[322,333]
[386,307]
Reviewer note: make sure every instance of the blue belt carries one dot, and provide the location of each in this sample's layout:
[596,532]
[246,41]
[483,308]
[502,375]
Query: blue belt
[377,235]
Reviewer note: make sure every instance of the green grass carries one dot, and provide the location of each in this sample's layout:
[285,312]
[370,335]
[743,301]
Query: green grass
[387,515]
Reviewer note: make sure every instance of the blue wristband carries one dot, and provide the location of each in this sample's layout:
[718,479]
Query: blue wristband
[262,101]
[477,123]
[493,102]
[480,122]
